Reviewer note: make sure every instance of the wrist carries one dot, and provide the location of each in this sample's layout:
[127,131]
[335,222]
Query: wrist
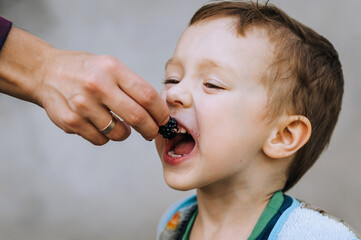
[22,65]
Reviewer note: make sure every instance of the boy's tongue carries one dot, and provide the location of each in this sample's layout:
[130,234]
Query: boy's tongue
[184,147]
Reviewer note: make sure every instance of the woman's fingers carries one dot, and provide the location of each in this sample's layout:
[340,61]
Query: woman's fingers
[133,114]
[143,93]
[152,107]
[106,123]
[129,96]
[60,112]
[89,132]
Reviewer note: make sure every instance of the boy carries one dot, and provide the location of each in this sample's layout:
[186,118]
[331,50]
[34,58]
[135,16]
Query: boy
[246,84]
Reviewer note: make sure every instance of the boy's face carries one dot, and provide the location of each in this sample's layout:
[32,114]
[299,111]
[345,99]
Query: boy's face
[213,88]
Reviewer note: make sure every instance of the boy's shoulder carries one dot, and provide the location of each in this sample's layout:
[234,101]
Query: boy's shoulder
[175,219]
[309,222]
[299,222]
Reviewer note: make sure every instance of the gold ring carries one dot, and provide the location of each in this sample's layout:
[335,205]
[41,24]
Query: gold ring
[110,125]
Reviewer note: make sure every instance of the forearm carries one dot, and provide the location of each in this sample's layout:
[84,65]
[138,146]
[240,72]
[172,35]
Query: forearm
[21,64]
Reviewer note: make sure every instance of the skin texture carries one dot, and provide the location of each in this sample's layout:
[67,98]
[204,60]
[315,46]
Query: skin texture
[78,89]
[213,88]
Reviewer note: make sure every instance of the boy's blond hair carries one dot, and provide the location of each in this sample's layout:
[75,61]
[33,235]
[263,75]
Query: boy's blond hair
[305,77]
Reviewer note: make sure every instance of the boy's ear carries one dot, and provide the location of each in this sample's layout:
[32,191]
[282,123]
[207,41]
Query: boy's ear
[290,135]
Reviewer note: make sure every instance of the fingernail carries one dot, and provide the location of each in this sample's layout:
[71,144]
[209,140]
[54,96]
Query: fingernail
[151,139]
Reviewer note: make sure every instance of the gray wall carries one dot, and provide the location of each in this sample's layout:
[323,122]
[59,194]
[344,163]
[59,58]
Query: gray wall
[58,186]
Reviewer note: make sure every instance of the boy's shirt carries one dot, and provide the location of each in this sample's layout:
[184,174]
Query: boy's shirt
[283,218]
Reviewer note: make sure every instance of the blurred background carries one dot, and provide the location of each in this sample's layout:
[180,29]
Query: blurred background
[58,186]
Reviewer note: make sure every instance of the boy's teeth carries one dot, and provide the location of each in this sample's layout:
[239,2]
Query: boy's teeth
[182,130]
[172,154]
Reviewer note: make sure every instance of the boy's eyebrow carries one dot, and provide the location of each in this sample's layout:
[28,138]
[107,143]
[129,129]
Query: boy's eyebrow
[210,63]
[205,63]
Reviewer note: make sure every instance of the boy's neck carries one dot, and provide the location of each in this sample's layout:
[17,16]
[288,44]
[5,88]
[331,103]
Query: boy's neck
[230,210]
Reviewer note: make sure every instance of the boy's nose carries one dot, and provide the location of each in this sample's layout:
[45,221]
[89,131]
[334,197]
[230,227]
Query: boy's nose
[179,95]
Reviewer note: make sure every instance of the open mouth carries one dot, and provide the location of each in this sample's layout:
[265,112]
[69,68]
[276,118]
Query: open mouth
[182,145]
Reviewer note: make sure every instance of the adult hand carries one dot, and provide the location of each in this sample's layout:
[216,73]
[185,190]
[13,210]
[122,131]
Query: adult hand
[78,89]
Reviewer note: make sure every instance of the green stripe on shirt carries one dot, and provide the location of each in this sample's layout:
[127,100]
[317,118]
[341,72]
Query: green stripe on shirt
[272,208]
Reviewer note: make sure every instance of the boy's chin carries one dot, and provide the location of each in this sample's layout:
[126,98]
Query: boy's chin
[179,184]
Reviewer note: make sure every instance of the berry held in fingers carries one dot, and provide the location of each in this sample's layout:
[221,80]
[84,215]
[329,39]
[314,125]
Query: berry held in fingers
[169,130]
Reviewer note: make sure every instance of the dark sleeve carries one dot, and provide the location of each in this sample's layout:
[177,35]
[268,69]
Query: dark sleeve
[5,27]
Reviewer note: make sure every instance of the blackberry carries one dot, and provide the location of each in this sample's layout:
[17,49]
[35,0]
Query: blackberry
[170,129]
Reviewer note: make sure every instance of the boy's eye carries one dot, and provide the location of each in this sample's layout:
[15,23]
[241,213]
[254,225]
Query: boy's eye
[171,81]
[210,85]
